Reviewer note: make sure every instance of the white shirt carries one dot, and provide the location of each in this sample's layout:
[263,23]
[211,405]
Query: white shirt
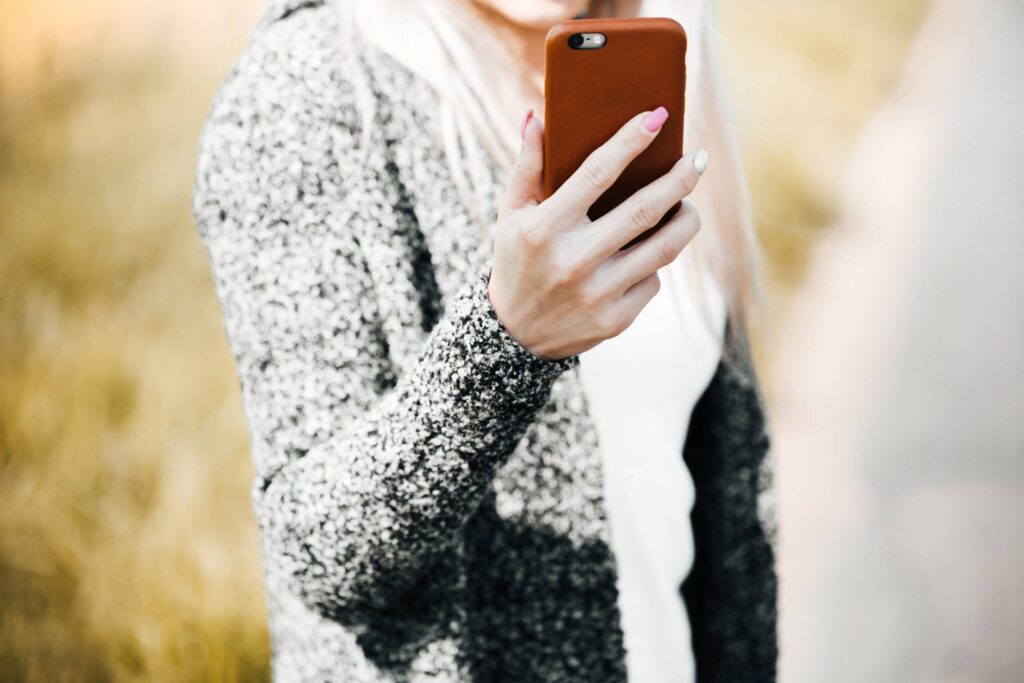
[641,387]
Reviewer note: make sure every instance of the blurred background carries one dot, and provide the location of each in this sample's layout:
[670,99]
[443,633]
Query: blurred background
[886,162]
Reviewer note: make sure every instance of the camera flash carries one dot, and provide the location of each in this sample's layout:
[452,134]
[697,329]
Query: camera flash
[598,39]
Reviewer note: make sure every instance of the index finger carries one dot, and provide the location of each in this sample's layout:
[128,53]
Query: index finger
[603,166]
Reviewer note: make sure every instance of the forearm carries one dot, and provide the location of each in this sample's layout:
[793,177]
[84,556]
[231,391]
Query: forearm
[357,518]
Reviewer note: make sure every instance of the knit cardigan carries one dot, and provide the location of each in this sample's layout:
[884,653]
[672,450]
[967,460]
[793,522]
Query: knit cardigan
[429,493]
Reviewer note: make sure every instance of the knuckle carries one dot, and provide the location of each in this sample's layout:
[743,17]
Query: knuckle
[522,165]
[664,252]
[690,217]
[533,237]
[633,142]
[596,172]
[590,298]
[641,215]
[568,272]
[687,179]
[614,322]
[655,284]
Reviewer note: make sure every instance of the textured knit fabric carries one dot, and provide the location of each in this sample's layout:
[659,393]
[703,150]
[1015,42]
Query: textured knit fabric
[641,387]
[429,493]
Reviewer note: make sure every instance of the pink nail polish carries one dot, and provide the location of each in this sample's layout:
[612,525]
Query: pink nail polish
[653,121]
[526,120]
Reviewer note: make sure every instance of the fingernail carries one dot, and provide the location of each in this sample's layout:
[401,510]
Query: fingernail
[700,161]
[526,119]
[653,121]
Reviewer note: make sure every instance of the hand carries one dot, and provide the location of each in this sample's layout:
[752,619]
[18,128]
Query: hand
[559,283]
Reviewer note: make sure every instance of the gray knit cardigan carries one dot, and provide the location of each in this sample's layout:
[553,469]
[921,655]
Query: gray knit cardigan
[429,492]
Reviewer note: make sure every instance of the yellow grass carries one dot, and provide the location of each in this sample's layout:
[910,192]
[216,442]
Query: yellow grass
[128,550]
[126,547]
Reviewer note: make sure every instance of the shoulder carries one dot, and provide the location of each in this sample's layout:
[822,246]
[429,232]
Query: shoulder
[299,97]
[283,139]
[299,69]
[292,81]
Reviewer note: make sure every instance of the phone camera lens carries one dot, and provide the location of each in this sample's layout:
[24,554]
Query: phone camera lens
[576,40]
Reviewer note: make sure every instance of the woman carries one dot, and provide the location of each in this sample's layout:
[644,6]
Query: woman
[485,447]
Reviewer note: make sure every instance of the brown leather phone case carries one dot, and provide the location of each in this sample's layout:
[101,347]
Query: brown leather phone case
[590,93]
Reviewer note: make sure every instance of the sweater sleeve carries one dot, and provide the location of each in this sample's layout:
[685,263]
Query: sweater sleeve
[362,477]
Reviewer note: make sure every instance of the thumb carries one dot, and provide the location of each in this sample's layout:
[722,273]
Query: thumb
[526,181]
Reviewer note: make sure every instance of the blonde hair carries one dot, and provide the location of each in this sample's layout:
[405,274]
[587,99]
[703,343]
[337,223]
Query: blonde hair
[445,41]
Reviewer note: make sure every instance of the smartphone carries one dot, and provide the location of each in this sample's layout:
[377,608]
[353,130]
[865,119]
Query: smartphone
[598,74]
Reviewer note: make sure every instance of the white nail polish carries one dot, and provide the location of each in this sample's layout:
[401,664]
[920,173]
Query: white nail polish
[700,161]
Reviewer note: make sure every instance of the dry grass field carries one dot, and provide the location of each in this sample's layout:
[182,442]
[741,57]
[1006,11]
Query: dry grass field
[128,550]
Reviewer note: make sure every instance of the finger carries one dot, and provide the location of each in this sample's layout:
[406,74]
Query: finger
[646,207]
[639,295]
[604,165]
[526,182]
[632,265]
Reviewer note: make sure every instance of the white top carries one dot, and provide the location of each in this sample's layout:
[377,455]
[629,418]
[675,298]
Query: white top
[641,387]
